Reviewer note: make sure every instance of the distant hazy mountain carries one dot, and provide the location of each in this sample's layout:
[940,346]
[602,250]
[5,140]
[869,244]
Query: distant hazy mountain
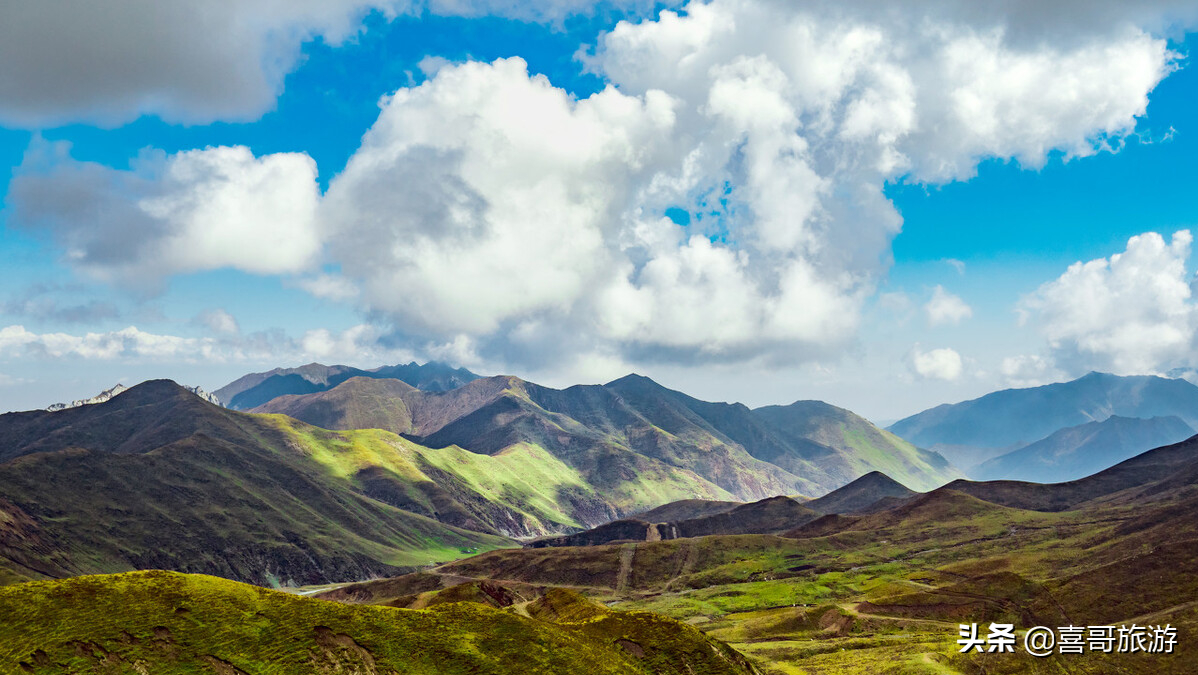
[1158,470]
[613,434]
[972,432]
[1079,451]
[257,388]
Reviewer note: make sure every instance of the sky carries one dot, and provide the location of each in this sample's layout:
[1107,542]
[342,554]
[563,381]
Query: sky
[748,200]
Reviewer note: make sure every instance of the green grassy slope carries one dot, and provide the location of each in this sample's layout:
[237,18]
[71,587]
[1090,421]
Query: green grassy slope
[627,446]
[885,592]
[861,447]
[164,622]
[159,478]
[606,460]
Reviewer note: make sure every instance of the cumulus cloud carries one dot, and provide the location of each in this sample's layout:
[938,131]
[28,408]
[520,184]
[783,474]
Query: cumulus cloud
[488,203]
[946,308]
[191,211]
[936,364]
[486,194]
[1130,313]
[488,208]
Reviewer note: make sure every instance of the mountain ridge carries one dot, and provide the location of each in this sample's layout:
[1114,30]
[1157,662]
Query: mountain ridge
[256,389]
[750,454]
[971,432]
[1076,452]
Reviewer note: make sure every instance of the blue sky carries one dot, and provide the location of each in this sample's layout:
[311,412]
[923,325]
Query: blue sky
[896,238]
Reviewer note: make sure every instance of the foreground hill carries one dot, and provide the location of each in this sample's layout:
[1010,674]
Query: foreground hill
[971,432]
[157,477]
[1079,451]
[164,622]
[258,388]
[614,433]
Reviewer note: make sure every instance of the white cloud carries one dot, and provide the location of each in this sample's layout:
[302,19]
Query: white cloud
[946,308]
[485,195]
[929,89]
[487,203]
[1131,313]
[191,211]
[360,344]
[936,364]
[1029,370]
[218,321]
[488,208]
[329,287]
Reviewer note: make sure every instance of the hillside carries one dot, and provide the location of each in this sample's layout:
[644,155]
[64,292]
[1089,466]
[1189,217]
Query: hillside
[885,591]
[860,494]
[633,430]
[775,514]
[685,509]
[255,389]
[830,445]
[165,622]
[972,432]
[158,478]
[1079,451]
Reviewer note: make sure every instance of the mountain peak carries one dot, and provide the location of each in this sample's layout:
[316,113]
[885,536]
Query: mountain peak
[149,390]
[861,493]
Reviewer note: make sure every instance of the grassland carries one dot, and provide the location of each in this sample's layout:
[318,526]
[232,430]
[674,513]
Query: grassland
[164,622]
[887,594]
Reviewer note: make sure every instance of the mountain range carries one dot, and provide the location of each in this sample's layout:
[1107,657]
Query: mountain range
[393,476]
[1077,452]
[255,389]
[644,498]
[632,424]
[972,432]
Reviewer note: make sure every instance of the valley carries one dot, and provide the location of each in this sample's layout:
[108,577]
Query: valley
[622,524]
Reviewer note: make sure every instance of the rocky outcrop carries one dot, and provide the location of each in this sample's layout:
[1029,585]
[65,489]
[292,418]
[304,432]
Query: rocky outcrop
[107,395]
